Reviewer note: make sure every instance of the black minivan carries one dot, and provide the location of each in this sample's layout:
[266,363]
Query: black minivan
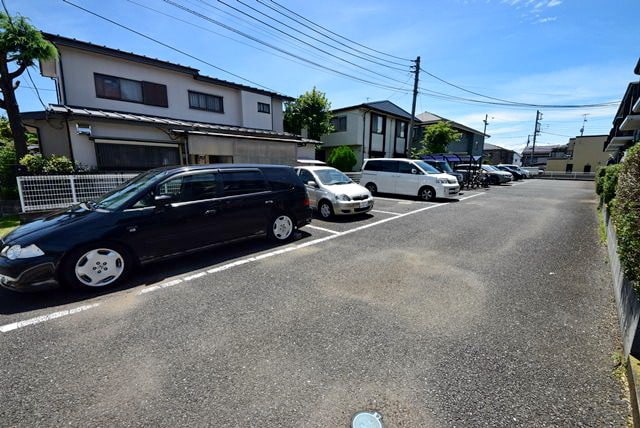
[158,214]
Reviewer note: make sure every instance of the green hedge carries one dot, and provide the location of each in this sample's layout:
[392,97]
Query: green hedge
[625,214]
[606,182]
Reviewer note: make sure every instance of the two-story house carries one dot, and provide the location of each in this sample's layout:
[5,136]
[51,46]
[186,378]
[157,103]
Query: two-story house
[118,110]
[372,130]
[471,140]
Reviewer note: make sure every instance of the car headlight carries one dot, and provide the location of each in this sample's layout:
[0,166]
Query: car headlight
[17,252]
[343,198]
[443,180]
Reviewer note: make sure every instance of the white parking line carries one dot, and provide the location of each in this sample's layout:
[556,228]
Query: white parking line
[384,212]
[322,228]
[43,318]
[16,325]
[391,199]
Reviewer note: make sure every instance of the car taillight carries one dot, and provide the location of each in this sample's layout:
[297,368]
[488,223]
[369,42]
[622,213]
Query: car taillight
[306,202]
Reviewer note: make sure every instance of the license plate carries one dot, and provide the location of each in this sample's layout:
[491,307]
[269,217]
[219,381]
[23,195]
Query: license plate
[364,204]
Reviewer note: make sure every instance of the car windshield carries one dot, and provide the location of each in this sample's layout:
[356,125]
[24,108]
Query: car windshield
[427,168]
[331,176]
[116,198]
[444,166]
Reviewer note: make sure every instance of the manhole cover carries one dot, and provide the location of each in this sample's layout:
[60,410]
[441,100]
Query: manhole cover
[367,420]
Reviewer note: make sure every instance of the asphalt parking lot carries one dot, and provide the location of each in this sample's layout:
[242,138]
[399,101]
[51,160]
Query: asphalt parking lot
[492,310]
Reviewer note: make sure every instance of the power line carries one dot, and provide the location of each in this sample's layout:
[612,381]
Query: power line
[255,39]
[301,23]
[338,35]
[303,33]
[167,45]
[219,34]
[516,102]
[290,36]
[36,89]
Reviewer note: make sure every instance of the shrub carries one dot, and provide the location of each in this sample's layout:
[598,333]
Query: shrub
[600,173]
[342,158]
[8,187]
[625,213]
[609,183]
[35,164]
[59,165]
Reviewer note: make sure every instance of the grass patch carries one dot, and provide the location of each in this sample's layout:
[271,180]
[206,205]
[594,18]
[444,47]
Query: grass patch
[602,228]
[7,224]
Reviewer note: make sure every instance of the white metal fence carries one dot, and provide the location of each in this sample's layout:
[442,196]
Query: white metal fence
[355,176]
[47,192]
[590,176]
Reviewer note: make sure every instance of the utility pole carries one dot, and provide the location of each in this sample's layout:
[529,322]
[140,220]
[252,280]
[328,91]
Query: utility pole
[536,131]
[584,120]
[413,104]
[524,155]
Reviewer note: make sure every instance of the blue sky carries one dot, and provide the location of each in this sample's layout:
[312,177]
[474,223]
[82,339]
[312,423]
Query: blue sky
[532,51]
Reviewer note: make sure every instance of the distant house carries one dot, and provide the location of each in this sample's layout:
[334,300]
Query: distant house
[542,154]
[372,130]
[625,131]
[471,140]
[583,154]
[119,110]
[497,155]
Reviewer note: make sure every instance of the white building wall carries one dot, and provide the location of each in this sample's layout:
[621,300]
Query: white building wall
[79,67]
[277,115]
[251,117]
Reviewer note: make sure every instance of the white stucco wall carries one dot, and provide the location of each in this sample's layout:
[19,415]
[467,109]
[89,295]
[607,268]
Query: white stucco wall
[353,134]
[277,114]
[240,107]
[251,117]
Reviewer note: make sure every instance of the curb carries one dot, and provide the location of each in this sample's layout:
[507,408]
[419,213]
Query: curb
[633,376]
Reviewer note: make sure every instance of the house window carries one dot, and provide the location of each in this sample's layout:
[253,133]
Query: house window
[339,123]
[264,108]
[200,101]
[377,124]
[135,91]
[401,129]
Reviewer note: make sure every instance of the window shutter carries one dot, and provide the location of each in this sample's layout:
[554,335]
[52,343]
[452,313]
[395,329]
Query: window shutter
[155,94]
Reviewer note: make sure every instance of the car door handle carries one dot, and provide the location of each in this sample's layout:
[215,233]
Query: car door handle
[212,211]
[268,202]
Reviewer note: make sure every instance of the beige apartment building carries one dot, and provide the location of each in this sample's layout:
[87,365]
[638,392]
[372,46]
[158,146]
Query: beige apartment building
[584,154]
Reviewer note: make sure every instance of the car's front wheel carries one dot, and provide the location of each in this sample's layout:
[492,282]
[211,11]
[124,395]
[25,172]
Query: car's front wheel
[325,209]
[427,193]
[281,228]
[96,266]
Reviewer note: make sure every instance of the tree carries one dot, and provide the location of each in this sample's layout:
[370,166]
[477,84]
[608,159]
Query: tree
[436,139]
[21,44]
[310,111]
[342,158]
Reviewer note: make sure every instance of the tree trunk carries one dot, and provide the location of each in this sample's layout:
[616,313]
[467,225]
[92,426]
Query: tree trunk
[13,111]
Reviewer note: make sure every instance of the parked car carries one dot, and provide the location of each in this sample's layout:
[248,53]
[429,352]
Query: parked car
[443,166]
[159,214]
[517,175]
[533,170]
[408,177]
[333,193]
[496,176]
[522,171]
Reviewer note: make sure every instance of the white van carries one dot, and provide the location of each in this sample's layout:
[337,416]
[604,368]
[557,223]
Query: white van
[408,177]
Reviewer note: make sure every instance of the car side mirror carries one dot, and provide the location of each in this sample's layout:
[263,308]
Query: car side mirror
[312,183]
[162,200]
[414,171]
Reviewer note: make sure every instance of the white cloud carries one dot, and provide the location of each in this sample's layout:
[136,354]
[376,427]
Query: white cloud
[553,3]
[547,19]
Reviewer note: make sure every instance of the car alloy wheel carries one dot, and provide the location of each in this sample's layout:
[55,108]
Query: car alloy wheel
[282,227]
[99,267]
[427,194]
[325,210]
